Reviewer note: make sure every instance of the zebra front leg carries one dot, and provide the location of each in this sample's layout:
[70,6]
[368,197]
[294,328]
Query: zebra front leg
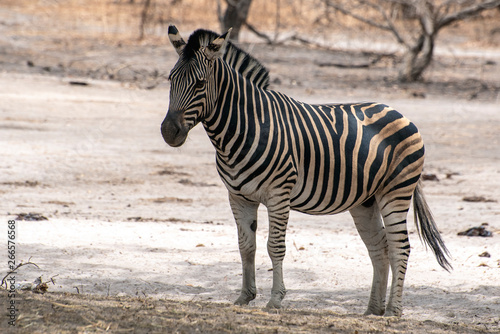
[276,247]
[245,215]
[369,224]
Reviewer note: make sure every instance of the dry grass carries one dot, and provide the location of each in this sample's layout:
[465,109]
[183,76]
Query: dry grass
[76,313]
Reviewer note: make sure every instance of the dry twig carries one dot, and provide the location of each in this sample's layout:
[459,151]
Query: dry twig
[15,270]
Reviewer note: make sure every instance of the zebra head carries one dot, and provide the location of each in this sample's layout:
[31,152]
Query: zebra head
[192,82]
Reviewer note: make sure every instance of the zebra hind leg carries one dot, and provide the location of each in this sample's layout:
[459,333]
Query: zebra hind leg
[395,213]
[245,215]
[370,227]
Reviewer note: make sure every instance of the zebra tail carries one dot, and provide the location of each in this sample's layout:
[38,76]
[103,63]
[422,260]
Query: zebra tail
[427,229]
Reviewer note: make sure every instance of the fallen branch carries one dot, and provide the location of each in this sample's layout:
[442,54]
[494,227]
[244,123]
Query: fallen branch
[376,59]
[361,65]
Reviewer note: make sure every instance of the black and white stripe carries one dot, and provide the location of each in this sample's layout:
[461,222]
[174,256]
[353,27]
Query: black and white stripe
[318,159]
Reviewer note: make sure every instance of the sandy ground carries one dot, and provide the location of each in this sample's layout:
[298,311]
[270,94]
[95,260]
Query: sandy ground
[130,216]
[140,237]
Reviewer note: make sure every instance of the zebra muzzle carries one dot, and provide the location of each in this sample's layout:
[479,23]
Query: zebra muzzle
[172,129]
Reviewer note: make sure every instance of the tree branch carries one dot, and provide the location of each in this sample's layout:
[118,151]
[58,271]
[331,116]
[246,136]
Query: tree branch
[388,27]
[258,33]
[389,22]
[466,12]
[355,16]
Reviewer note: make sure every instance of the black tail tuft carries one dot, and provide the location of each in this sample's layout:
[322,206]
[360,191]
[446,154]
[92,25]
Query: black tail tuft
[427,229]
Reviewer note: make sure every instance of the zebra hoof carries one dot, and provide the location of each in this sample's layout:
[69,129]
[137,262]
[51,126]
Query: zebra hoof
[378,312]
[276,298]
[393,313]
[244,299]
[274,304]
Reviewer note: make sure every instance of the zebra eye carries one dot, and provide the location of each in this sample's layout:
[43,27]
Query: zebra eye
[200,84]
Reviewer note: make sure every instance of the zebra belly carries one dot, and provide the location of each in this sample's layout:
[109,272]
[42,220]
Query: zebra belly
[327,205]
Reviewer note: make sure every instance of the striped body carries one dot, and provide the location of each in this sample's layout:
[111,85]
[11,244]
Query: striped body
[318,159]
[336,157]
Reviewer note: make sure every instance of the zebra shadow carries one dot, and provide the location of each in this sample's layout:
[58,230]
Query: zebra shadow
[220,281]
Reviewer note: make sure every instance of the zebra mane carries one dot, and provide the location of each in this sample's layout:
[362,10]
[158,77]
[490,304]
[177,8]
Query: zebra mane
[241,61]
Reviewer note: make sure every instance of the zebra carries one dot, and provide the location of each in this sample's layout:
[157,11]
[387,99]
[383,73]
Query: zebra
[365,158]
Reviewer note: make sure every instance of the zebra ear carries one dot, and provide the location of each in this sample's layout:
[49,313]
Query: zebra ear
[217,47]
[176,39]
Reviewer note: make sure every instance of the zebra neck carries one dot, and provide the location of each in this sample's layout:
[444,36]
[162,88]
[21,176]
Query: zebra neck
[238,116]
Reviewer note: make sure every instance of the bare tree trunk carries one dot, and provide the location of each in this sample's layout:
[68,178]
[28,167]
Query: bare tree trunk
[144,16]
[235,16]
[416,59]
[419,56]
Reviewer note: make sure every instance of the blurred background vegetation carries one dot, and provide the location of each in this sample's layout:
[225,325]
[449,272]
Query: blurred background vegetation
[410,28]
